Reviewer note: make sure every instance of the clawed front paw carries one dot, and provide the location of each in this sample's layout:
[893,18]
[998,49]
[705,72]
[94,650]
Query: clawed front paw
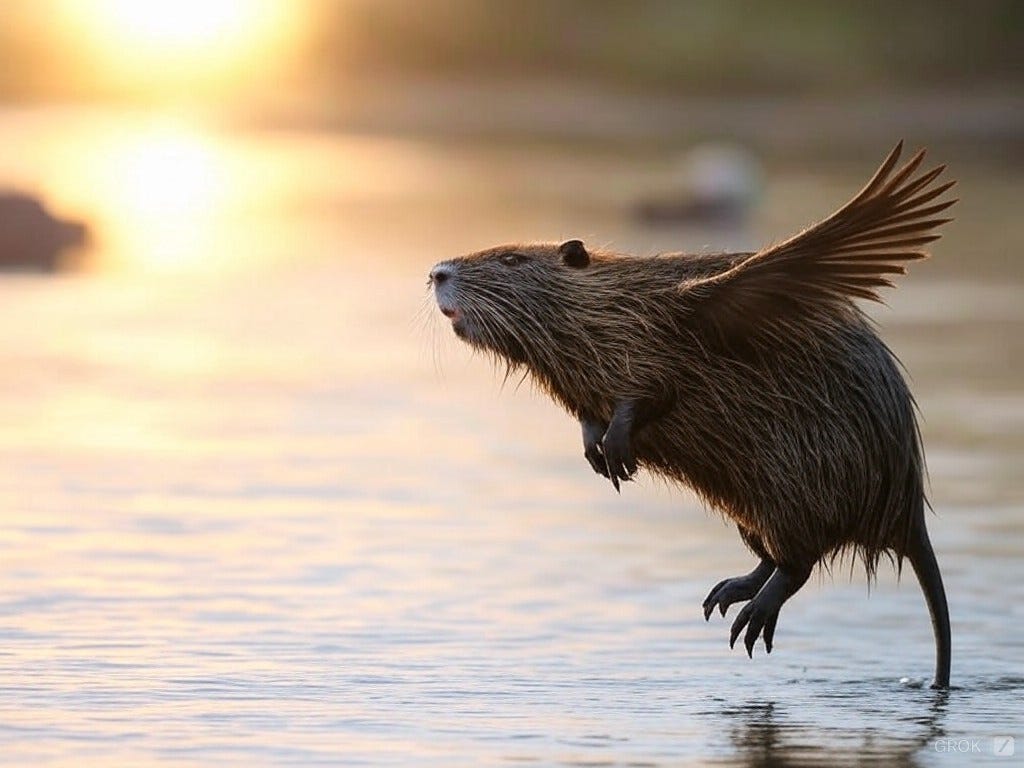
[592,434]
[619,458]
[609,446]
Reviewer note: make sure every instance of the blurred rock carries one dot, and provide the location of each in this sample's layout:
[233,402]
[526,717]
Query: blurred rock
[718,184]
[33,239]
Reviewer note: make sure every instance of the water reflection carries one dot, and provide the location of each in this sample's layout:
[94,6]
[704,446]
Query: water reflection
[772,734]
[168,186]
[177,193]
[160,192]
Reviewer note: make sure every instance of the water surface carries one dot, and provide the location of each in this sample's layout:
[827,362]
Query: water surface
[265,510]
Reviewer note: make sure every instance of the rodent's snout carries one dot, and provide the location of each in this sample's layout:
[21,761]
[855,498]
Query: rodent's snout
[441,279]
[441,273]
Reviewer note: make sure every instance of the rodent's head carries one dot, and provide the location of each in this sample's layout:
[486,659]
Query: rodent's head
[514,299]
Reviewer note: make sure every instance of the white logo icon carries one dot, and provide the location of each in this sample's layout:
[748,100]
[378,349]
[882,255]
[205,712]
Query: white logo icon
[1002,746]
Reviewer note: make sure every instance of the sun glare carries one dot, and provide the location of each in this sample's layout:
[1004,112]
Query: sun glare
[166,188]
[184,45]
[181,26]
[159,193]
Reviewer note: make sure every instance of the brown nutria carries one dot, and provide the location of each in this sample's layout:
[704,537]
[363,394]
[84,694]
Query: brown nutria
[753,378]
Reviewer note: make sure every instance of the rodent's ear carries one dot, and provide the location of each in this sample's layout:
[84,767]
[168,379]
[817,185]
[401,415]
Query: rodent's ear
[574,254]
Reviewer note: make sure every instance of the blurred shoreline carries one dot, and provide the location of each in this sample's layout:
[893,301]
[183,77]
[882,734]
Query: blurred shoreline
[134,174]
[987,121]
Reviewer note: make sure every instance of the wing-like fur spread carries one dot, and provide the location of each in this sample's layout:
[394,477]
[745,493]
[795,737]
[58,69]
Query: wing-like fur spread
[850,254]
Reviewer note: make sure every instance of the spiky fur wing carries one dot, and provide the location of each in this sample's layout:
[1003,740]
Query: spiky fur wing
[850,254]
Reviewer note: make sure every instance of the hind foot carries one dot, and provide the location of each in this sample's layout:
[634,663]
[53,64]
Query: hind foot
[761,614]
[737,589]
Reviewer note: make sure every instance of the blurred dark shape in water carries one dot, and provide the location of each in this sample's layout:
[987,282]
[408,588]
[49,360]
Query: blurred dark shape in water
[718,185]
[769,735]
[31,238]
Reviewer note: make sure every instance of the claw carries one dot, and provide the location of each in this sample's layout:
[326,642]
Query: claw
[737,626]
[737,589]
[631,466]
[618,454]
[760,616]
[753,631]
[596,460]
[769,631]
[754,619]
[592,434]
[711,600]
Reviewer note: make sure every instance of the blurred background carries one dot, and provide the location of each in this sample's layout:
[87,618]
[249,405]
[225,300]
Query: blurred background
[168,129]
[259,505]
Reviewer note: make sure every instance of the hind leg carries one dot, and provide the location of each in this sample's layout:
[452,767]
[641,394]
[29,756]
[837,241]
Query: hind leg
[741,588]
[762,613]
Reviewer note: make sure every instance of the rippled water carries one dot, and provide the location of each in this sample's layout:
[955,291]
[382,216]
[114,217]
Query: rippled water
[271,513]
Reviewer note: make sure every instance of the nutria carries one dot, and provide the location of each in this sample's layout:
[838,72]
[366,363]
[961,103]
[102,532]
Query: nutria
[752,378]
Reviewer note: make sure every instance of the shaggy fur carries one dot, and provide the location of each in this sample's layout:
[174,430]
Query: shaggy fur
[767,389]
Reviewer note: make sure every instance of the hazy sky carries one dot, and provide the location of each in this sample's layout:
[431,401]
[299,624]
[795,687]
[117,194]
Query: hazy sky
[233,50]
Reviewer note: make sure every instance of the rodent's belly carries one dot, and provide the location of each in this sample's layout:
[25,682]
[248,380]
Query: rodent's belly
[738,464]
[679,451]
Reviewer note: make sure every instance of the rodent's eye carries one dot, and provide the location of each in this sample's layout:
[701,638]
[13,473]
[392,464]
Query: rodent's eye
[512,259]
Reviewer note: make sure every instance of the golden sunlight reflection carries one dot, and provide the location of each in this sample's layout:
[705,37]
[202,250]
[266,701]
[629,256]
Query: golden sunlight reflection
[166,184]
[162,187]
[175,193]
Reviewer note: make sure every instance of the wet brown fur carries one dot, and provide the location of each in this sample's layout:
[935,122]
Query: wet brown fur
[776,401]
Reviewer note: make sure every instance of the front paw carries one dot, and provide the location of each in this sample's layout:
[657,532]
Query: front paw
[617,447]
[592,434]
